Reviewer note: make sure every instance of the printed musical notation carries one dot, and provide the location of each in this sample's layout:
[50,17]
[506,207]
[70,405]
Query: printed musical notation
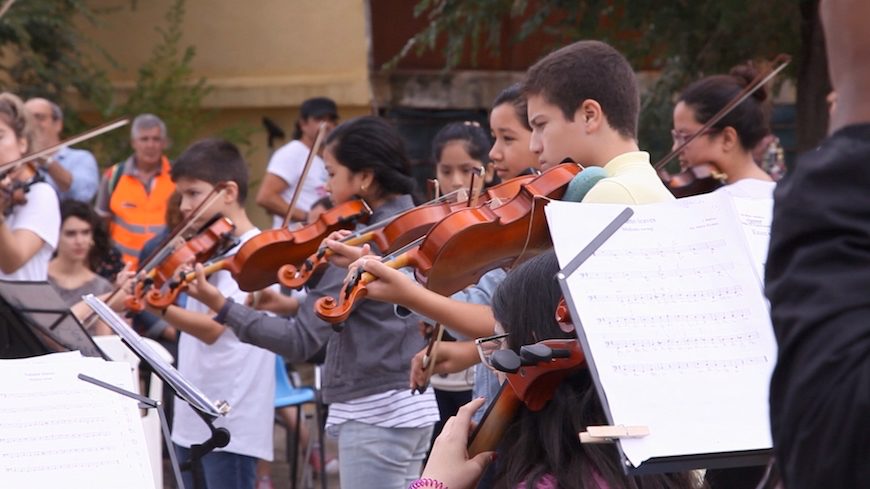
[56,430]
[737,340]
[689,367]
[674,297]
[673,320]
[671,310]
[721,269]
[704,248]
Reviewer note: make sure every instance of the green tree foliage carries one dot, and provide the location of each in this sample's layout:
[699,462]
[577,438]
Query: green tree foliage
[42,54]
[166,87]
[683,39]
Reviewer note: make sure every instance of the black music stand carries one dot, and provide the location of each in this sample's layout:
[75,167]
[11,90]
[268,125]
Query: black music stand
[204,407]
[34,320]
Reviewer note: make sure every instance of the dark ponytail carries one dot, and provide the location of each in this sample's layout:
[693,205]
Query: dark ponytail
[370,143]
[750,119]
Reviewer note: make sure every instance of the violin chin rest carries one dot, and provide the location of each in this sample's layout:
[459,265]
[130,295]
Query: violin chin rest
[506,361]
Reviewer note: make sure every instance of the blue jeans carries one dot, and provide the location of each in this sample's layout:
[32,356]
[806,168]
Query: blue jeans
[386,458]
[223,470]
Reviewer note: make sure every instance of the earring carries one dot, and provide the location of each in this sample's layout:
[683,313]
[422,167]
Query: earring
[363,187]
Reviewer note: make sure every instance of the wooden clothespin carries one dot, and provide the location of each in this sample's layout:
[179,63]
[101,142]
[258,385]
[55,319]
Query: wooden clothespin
[608,434]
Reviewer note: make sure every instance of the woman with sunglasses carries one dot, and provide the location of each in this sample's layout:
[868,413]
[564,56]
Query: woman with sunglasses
[539,449]
[727,146]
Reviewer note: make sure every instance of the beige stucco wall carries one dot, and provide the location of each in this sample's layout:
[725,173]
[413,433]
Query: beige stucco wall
[263,58]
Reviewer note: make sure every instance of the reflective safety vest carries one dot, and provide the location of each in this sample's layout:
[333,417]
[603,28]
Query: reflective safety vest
[137,214]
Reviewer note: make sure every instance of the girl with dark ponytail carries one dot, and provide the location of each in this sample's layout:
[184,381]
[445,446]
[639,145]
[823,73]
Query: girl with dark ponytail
[728,145]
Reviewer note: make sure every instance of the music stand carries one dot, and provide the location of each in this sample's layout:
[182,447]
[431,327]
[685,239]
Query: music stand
[654,465]
[34,320]
[202,405]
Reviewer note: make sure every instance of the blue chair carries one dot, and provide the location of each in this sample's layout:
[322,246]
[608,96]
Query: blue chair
[287,395]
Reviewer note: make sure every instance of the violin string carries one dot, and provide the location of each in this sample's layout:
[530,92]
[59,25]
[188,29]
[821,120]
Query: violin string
[535,198]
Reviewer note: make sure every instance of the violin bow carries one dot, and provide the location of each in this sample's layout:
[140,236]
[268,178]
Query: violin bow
[779,63]
[430,357]
[5,7]
[160,253]
[157,255]
[315,148]
[92,133]
[472,201]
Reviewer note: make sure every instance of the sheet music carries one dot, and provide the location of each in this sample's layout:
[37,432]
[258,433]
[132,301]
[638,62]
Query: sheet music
[182,387]
[755,217]
[676,323]
[58,431]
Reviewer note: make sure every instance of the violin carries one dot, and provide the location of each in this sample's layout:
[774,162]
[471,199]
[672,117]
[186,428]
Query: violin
[256,264]
[463,246]
[216,237]
[253,265]
[532,379]
[695,180]
[395,233]
[15,184]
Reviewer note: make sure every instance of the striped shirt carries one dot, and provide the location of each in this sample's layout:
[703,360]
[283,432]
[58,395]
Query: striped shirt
[391,409]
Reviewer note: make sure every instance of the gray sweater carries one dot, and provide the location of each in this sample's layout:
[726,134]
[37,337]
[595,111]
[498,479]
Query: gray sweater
[371,355]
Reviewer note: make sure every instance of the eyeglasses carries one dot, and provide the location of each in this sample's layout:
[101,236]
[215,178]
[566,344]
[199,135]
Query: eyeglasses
[680,137]
[488,345]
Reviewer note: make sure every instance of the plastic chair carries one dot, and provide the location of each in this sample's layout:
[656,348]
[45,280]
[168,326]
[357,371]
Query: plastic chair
[287,395]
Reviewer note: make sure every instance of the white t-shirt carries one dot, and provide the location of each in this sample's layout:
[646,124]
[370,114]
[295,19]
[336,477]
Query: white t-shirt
[232,371]
[41,215]
[750,188]
[287,162]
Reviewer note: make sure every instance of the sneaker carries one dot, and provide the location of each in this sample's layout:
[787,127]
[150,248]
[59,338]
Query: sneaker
[332,467]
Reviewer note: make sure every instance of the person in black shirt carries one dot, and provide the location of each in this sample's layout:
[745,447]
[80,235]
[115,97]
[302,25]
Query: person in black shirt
[818,281]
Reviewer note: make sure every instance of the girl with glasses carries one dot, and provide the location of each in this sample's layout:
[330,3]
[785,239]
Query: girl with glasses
[727,146]
[539,449]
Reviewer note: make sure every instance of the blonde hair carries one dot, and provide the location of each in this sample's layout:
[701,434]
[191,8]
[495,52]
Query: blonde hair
[13,114]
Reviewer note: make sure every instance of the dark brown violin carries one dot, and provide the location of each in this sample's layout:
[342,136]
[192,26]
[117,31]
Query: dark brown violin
[463,246]
[215,238]
[397,232]
[695,180]
[532,378]
[15,184]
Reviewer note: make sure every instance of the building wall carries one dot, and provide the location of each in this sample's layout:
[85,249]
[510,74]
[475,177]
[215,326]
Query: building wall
[262,58]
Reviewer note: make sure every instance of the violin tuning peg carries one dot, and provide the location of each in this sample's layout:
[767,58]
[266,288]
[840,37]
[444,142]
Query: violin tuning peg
[534,354]
[506,361]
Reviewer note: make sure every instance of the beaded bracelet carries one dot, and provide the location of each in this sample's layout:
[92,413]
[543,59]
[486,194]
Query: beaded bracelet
[427,483]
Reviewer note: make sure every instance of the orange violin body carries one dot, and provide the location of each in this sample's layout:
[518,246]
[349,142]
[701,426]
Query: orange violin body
[463,246]
[401,231]
[255,266]
[215,237]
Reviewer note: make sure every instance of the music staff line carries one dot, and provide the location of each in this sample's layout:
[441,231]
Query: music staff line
[656,275]
[703,247]
[711,295]
[690,367]
[670,320]
[682,344]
